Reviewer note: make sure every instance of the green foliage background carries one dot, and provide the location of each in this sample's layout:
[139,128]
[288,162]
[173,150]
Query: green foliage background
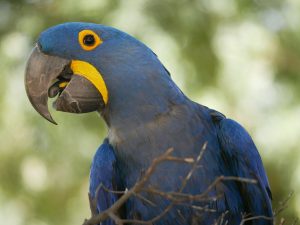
[239,57]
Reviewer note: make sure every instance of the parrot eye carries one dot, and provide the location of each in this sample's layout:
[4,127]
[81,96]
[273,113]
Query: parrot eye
[88,40]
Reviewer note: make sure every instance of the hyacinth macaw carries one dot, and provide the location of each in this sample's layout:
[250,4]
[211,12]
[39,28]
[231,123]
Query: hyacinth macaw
[90,67]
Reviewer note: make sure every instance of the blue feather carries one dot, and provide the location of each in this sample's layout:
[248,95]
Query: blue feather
[243,160]
[104,177]
[146,114]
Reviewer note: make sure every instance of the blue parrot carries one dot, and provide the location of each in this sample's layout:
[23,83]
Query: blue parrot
[89,67]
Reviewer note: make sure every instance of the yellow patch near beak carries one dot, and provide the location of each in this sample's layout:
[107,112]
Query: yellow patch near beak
[88,71]
[63,84]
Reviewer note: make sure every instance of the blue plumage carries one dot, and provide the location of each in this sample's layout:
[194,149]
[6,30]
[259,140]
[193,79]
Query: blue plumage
[242,159]
[147,114]
[104,177]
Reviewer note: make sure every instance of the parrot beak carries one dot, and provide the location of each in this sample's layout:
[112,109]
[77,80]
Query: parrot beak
[51,76]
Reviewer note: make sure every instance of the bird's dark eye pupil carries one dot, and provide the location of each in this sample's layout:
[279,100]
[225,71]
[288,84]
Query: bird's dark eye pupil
[89,40]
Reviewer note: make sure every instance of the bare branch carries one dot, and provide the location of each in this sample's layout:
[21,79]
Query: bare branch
[145,199]
[283,204]
[175,197]
[135,189]
[244,220]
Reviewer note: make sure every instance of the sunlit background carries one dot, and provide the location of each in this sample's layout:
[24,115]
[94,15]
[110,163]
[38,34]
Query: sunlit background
[239,57]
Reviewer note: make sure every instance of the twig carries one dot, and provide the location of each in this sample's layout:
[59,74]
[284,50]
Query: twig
[175,198]
[244,220]
[135,189]
[283,204]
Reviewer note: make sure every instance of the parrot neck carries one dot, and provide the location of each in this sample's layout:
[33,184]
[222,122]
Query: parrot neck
[136,119]
[142,108]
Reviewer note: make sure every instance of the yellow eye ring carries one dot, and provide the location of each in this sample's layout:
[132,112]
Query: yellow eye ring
[89,40]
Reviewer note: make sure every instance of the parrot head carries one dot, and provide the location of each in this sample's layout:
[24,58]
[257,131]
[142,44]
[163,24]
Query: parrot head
[87,67]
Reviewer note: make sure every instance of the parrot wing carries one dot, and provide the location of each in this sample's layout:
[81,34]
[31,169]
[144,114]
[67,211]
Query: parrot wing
[104,179]
[242,159]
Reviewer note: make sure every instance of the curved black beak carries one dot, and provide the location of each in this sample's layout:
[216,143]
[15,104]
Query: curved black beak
[50,76]
[40,72]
